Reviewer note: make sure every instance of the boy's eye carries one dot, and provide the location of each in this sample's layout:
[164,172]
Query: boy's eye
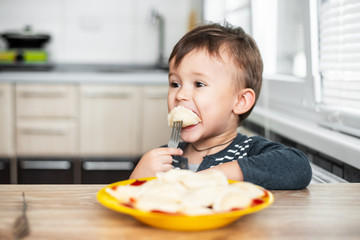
[199,84]
[174,84]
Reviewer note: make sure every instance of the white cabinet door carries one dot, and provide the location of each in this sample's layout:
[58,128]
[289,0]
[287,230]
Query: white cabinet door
[6,120]
[155,130]
[46,120]
[109,120]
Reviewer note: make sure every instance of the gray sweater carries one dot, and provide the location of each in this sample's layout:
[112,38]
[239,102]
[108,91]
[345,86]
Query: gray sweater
[262,162]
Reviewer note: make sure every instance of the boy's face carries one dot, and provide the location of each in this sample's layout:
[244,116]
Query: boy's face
[206,85]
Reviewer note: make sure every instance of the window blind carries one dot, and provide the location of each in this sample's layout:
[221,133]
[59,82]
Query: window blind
[339,63]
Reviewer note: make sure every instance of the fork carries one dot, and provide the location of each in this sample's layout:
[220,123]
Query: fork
[175,134]
[21,225]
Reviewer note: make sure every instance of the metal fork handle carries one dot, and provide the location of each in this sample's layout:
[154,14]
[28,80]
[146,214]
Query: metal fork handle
[21,226]
[175,134]
[24,203]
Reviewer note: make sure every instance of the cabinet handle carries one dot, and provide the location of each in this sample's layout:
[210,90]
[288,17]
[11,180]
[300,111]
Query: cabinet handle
[43,131]
[50,165]
[47,94]
[156,95]
[103,165]
[107,94]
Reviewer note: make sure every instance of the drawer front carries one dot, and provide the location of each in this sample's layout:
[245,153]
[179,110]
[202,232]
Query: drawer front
[45,138]
[6,120]
[45,171]
[106,170]
[35,100]
[4,171]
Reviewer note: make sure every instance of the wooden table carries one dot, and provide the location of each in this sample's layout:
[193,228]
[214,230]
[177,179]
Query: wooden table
[321,211]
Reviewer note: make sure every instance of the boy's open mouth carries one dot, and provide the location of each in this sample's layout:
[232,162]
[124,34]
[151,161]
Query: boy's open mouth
[190,127]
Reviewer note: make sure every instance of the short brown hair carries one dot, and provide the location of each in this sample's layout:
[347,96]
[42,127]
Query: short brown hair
[240,46]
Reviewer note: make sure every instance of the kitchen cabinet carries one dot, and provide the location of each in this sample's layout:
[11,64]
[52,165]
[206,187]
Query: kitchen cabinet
[6,131]
[78,132]
[106,170]
[114,120]
[46,101]
[109,120]
[6,120]
[46,170]
[46,120]
[49,137]
[155,130]
[4,170]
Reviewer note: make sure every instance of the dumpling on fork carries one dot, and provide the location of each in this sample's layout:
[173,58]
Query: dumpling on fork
[184,114]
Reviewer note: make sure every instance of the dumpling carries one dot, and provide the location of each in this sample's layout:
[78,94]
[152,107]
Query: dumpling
[184,114]
[203,197]
[125,193]
[231,200]
[238,195]
[174,175]
[160,196]
[207,178]
[247,188]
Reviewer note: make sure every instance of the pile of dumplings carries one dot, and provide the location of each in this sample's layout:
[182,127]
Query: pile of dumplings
[189,193]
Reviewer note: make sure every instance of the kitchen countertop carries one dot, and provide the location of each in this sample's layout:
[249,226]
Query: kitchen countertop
[321,211]
[76,74]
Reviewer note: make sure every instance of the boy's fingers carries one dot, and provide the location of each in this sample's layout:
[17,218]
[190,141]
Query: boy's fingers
[172,151]
[167,159]
[167,167]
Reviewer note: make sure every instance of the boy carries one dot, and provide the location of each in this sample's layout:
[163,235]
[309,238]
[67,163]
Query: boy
[216,71]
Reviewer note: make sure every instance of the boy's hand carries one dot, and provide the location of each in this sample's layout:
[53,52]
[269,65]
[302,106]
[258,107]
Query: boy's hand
[156,160]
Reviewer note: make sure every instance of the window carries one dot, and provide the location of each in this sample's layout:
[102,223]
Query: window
[281,29]
[235,12]
[290,54]
[339,28]
[311,79]
[311,54]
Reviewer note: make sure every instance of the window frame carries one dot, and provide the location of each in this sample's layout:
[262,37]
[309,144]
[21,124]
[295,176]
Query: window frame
[289,91]
[291,106]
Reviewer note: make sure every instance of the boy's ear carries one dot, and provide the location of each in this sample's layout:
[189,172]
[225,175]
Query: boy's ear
[245,100]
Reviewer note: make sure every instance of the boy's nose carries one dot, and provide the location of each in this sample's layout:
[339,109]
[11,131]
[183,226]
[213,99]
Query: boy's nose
[183,94]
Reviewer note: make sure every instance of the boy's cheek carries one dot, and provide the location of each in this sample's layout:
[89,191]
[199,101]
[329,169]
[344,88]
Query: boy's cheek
[170,102]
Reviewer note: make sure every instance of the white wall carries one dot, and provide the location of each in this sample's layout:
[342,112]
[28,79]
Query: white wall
[99,31]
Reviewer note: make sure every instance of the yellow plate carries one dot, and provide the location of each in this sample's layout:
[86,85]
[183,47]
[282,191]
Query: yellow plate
[178,222]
